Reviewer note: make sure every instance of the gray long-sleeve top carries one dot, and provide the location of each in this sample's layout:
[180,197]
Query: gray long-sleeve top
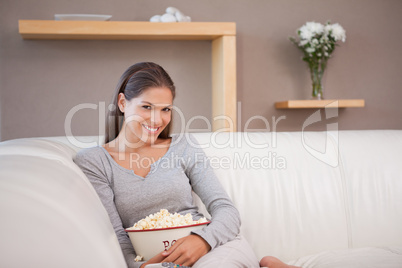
[129,198]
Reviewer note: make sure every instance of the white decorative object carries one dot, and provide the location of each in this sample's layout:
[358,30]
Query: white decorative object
[168,18]
[156,18]
[172,10]
[172,14]
[181,17]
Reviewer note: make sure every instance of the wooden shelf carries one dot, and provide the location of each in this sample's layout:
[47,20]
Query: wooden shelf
[124,30]
[306,104]
[222,34]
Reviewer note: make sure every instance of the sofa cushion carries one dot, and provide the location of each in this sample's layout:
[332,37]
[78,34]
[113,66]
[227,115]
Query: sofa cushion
[368,257]
[51,215]
[372,173]
[291,203]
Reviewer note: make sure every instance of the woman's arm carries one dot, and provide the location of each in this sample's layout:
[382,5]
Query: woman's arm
[187,250]
[225,222]
[93,168]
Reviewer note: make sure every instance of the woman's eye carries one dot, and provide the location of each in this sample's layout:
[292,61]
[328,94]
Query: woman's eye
[166,110]
[146,107]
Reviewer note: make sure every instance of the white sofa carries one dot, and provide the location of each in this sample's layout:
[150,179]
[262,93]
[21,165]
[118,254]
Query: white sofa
[313,199]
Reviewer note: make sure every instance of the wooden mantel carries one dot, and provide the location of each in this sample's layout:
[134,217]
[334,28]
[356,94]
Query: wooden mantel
[222,35]
[307,104]
[124,30]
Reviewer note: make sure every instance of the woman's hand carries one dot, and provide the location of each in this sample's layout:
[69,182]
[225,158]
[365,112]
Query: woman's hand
[187,250]
[156,259]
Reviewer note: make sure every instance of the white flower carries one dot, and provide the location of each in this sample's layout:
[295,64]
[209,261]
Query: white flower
[336,31]
[315,27]
[318,41]
[305,33]
[310,50]
[311,29]
[303,43]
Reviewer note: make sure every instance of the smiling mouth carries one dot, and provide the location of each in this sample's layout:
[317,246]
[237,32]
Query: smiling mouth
[151,129]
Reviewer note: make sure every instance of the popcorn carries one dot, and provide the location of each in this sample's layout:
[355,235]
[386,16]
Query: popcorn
[138,258]
[164,219]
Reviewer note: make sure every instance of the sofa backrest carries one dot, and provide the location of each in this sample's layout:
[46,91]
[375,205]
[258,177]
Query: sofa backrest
[371,166]
[291,203]
[312,191]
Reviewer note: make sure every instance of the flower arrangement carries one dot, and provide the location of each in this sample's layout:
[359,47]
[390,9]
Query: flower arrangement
[318,41]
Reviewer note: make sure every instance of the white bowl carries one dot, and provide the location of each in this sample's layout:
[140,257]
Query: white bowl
[82,17]
[148,243]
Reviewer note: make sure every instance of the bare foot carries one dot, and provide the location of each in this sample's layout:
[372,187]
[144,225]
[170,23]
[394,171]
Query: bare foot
[272,262]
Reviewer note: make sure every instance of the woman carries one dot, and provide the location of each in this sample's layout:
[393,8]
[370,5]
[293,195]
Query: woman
[134,175]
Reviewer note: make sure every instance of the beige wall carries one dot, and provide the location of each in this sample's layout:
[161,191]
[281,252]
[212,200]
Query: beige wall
[41,81]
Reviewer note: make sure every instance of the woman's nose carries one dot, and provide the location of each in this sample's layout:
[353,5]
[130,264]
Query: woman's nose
[156,117]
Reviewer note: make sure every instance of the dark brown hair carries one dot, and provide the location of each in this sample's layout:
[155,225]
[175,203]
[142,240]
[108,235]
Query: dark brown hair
[134,81]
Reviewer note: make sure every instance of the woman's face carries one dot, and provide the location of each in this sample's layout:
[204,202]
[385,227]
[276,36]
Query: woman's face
[147,115]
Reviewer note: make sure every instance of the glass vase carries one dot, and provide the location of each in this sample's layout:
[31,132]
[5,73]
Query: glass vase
[316,77]
[317,91]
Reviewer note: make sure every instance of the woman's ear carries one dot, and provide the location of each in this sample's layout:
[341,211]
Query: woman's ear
[121,102]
